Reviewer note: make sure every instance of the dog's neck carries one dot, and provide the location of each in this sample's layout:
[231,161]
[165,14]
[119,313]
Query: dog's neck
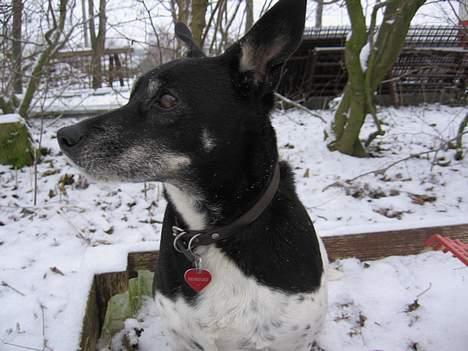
[222,199]
[189,205]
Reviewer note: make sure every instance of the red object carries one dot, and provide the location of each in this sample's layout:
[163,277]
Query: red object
[197,279]
[456,247]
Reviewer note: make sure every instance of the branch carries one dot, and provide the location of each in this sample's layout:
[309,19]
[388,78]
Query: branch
[299,106]
[158,42]
[6,285]
[209,22]
[22,346]
[382,170]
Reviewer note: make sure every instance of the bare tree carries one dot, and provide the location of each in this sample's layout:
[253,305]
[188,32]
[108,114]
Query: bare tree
[369,55]
[319,8]
[98,40]
[249,18]
[199,8]
[34,68]
[17,7]
[85,20]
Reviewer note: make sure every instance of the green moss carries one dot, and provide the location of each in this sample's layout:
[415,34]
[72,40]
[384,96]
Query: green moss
[126,305]
[15,145]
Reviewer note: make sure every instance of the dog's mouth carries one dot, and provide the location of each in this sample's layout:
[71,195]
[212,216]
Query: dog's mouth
[108,160]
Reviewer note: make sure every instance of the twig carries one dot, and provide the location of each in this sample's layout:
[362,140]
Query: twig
[22,346]
[36,156]
[424,291]
[382,170]
[386,168]
[79,233]
[299,106]
[5,284]
[155,32]
[44,339]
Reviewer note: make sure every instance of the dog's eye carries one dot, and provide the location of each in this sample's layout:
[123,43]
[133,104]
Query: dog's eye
[167,101]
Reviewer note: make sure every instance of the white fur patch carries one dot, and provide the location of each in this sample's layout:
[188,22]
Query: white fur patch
[175,161]
[247,62]
[207,140]
[235,312]
[153,86]
[187,206]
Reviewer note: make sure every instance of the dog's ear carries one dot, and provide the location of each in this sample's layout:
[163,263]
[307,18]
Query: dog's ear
[270,42]
[183,33]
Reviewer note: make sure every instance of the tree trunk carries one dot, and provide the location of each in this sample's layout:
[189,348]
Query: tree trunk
[15,144]
[358,97]
[85,28]
[318,13]
[198,20]
[16,46]
[248,15]
[53,44]
[97,41]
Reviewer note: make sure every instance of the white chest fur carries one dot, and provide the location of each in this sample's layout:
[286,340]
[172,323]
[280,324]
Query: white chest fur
[235,312]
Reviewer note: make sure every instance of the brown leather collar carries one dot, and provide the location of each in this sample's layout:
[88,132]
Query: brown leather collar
[186,240]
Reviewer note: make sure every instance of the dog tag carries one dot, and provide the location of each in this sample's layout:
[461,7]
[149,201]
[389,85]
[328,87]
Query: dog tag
[197,279]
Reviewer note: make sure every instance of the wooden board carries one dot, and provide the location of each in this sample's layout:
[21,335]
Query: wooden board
[366,246]
[373,246]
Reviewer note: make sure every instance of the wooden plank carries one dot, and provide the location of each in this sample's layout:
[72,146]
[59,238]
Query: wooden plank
[91,328]
[80,53]
[107,285]
[373,246]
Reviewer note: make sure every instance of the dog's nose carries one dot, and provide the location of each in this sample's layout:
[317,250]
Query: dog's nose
[68,137]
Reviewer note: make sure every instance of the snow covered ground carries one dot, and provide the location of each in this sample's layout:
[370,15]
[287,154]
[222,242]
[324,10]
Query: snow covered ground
[49,252]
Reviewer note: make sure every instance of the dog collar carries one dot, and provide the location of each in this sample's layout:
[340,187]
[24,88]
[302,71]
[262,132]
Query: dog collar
[187,240]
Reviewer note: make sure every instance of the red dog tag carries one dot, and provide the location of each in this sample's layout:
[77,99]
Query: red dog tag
[197,279]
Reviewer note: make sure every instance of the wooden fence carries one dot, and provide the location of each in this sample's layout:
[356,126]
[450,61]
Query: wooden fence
[432,65]
[74,67]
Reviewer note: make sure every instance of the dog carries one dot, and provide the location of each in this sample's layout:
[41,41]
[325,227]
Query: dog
[240,265]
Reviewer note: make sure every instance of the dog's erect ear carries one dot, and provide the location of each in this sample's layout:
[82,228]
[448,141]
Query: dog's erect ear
[272,39]
[183,33]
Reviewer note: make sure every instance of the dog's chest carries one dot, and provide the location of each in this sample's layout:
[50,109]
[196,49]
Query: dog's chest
[235,312]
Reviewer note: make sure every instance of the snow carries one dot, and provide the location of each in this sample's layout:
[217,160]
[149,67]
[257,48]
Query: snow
[84,228]
[82,101]
[364,56]
[426,309]
[11,118]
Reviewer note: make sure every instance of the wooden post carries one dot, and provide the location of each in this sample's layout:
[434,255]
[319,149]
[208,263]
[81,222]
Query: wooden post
[111,70]
[118,69]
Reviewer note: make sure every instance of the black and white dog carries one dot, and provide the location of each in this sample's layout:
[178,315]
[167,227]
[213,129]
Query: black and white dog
[240,265]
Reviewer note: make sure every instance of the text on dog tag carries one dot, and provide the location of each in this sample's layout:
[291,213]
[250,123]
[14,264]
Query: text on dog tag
[197,279]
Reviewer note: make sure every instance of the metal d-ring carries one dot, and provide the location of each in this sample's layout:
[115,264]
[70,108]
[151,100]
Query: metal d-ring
[175,242]
[191,241]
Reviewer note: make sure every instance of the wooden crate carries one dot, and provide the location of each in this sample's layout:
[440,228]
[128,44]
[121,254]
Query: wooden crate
[368,246]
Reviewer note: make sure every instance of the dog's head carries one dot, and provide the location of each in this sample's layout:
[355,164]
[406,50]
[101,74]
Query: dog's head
[192,111]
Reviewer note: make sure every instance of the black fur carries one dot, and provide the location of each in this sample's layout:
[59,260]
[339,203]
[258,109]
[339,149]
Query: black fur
[273,249]
[229,96]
